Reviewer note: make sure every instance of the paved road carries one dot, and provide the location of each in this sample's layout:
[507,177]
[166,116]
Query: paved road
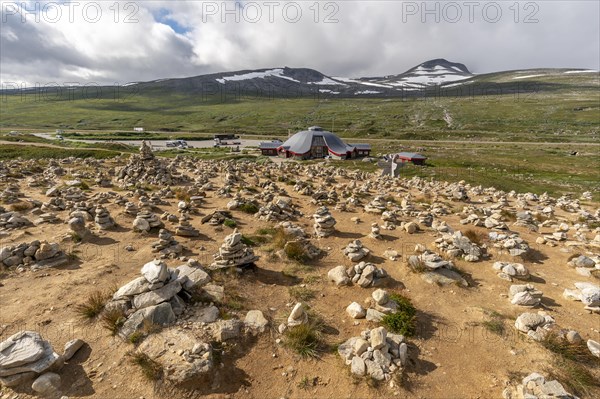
[157,144]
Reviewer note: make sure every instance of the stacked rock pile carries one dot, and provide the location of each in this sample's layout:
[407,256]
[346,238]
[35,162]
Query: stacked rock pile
[535,325]
[377,205]
[509,271]
[515,245]
[26,356]
[103,220]
[37,255]
[375,232]
[146,220]
[376,353]
[324,222]
[166,244]
[185,229]
[587,293]
[355,251]
[524,295]
[535,386]
[456,245]
[362,274]
[156,296]
[233,253]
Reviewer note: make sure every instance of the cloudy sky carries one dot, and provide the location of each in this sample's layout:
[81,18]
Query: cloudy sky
[105,41]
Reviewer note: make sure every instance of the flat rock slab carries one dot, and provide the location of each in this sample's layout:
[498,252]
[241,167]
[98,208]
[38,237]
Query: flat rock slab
[161,314]
[45,362]
[22,348]
[196,276]
[155,297]
[444,277]
[177,351]
[134,287]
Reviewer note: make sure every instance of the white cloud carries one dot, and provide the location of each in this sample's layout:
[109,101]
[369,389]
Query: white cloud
[371,38]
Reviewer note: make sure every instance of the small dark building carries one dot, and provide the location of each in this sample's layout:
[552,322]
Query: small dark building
[269,148]
[413,157]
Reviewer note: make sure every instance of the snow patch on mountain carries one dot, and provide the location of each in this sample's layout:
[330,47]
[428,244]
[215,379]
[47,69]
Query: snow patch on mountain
[528,76]
[278,73]
[327,82]
[583,71]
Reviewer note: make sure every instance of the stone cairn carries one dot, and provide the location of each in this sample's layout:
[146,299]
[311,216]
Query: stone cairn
[390,220]
[13,220]
[377,205]
[54,204]
[78,228]
[103,220]
[166,244]
[278,209]
[524,295]
[216,218]
[11,194]
[233,253]
[131,209]
[146,168]
[535,325]
[376,353]
[458,246]
[45,218]
[375,232]
[324,222]
[185,229]
[145,220]
[26,356]
[156,296]
[429,260]
[362,274]
[379,304]
[292,229]
[37,255]
[515,245]
[587,293]
[509,271]
[585,265]
[535,386]
[355,251]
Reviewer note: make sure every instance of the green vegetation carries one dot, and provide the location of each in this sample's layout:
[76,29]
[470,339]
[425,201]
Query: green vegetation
[474,236]
[20,206]
[249,208]
[403,321]
[230,223]
[576,377]
[93,305]
[301,294]
[12,151]
[112,320]
[295,251]
[495,324]
[529,168]
[305,339]
[554,108]
[151,369]
[578,352]
[307,382]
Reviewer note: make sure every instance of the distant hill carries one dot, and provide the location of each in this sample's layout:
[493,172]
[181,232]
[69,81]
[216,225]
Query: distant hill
[429,78]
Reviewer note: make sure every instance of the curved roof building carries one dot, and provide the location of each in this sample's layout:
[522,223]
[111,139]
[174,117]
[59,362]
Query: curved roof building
[316,143]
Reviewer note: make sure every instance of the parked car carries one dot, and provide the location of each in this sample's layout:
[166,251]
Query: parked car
[177,144]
